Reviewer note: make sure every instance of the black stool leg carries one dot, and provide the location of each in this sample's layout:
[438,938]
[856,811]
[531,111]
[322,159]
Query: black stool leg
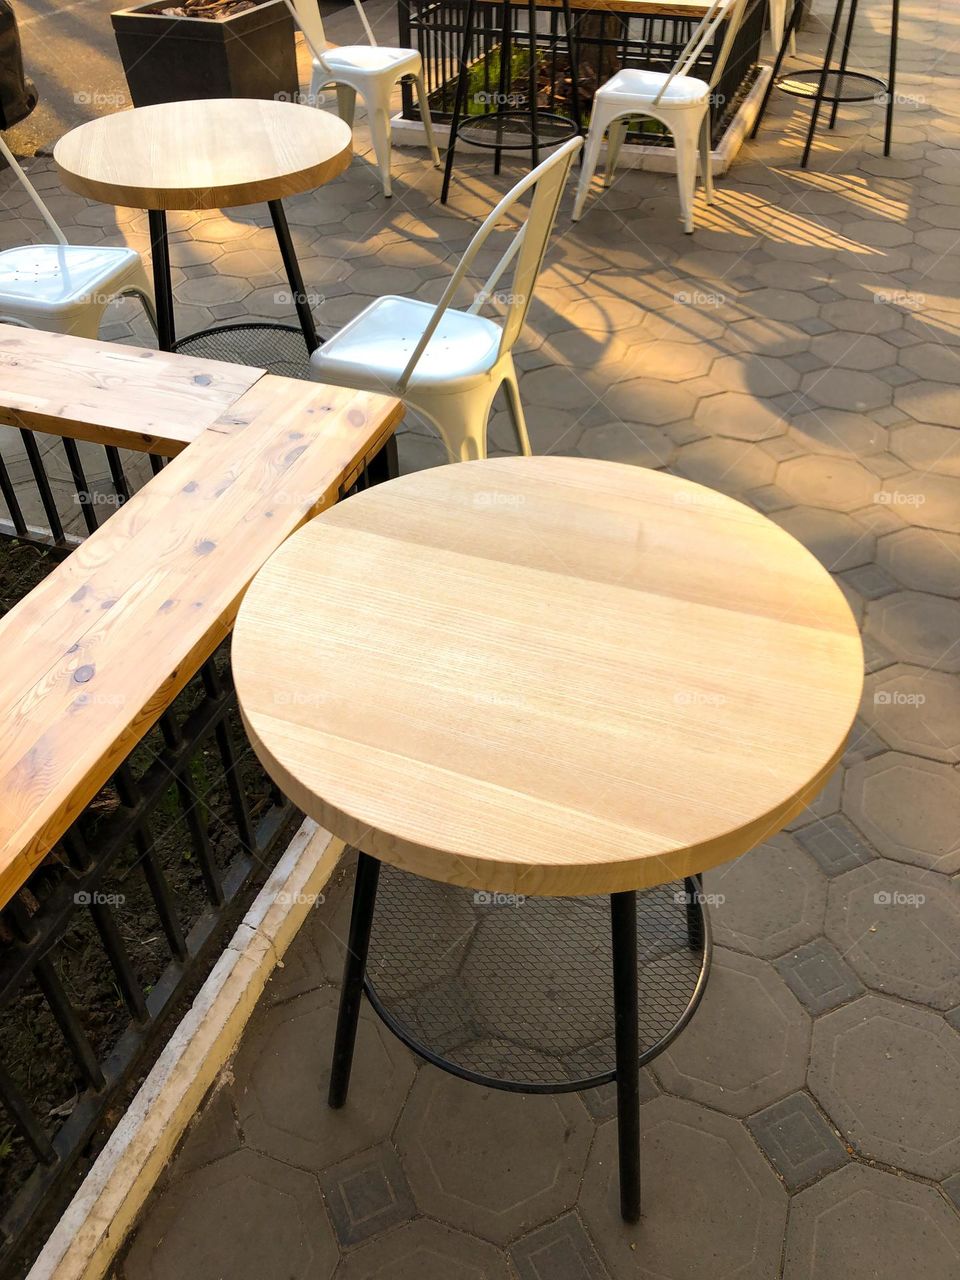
[573,60]
[781,54]
[844,58]
[351,993]
[532,85]
[162,286]
[458,100]
[822,82]
[623,930]
[506,78]
[892,78]
[294,276]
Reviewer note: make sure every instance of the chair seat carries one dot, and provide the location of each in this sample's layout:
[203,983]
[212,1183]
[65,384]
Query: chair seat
[372,351]
[46,275]
[370,60]
[633,84]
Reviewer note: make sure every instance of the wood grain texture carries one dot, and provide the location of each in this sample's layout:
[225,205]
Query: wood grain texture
[547,675]
[211,154]
[150,401]
[97,651]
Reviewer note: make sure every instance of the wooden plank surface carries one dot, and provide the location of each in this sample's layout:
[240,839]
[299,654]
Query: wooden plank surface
[94,654]
[547,675]
[150,401]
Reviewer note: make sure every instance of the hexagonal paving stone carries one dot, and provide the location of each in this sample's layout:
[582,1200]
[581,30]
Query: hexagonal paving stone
[210,1224]
[923,498]
[915,710]
[898,927]
[834,482]
[927,448]
[650,401]
[494,1163]
[846,389]
[928,402]
[739,416]
[923,560]
[562,1250]
[731,466]
[284,1066]
[797,1140]
[366,1195]
[919,628]
[774,898]
[688,1156]
[819,976]
[627,442]
[854,351]
[909,808]
[747,1043]
[864,1224]
[425,1250]
[886,1074]
[836,431]
[836,539]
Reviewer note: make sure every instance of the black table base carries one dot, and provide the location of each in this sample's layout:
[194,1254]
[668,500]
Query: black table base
[826,84]
[530,995]
[213,342]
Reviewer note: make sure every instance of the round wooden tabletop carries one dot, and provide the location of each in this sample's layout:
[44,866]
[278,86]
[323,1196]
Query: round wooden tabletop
[211,154]
[547,675]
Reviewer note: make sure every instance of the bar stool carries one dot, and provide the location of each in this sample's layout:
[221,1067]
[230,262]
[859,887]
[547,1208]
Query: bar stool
[542,695]
[507,121]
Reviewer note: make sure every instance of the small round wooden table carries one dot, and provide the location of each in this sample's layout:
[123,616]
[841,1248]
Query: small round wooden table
[553,677]
[216,153]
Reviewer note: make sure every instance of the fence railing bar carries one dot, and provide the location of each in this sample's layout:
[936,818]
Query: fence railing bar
[113,945]
[68,1022]
[43,485]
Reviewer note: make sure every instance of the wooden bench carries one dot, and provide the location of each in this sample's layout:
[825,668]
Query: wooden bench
[95,653]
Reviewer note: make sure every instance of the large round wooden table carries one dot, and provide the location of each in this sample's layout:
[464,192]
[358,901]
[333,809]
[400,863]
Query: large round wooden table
[543,676]
[216,153]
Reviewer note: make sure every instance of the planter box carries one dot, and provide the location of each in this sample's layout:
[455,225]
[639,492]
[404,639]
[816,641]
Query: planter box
[249,55]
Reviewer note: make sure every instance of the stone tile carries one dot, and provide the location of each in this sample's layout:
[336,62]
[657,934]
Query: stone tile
[763,1062]
[213,1133]
[919,628]
[366,1194]
[245,1217]
[732,466]
[602,1101]
[864,1224]
[493,1163]
[952,1187]
[928,448]
[773,899]
[797,1140]
[739,416]
[425,1250]
[923,560]
[835,844]
[837,483]
[838,542]
[925,498]
[916,710]
[908,808]
[819,976]
[562,1250]
[870,581]
[837,431]
[688,1156]
[898,927]
[886,1075]
[284,1067]
[838,388]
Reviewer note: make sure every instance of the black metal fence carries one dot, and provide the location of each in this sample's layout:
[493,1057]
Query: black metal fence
[106,943]
[435,28]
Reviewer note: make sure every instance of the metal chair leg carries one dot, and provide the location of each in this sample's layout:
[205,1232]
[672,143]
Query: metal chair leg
[623,930]
[458,101]
[355,964]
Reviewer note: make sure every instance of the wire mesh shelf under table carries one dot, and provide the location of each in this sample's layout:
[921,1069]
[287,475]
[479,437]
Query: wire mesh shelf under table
[278,348]
[861,88]
[517,993]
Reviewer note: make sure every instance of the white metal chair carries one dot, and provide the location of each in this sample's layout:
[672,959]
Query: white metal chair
[678,100]
[777,21]
[446,364]
[65,288]
[371,70]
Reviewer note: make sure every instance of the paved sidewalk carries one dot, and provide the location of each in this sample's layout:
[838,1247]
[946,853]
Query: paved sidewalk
[801,351]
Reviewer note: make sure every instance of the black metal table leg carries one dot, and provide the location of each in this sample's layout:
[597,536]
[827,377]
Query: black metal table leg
[822,82]
[532,88]
[458,99]
[573,59]
[844,58]
[693,887]
[623,930]
[351,993]
[294,276]
[162,284]
[385,465]
[892,77]
[781,54]
[505,80]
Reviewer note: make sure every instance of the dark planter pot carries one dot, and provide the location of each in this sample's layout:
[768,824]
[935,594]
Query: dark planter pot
[250,55]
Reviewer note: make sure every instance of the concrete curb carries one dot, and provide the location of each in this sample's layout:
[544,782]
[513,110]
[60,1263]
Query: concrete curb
[94,1226]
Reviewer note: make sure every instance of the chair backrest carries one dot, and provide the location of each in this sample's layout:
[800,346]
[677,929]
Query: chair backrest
[720,11]
[306,14]
[528,248]
[32,192]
